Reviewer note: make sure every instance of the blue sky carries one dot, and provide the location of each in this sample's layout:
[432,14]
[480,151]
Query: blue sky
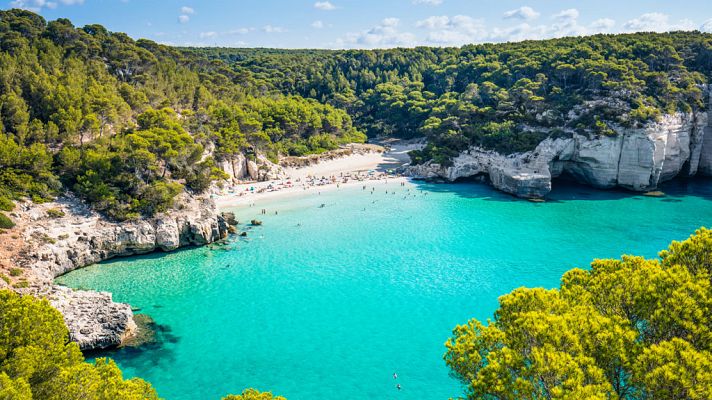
[370,23]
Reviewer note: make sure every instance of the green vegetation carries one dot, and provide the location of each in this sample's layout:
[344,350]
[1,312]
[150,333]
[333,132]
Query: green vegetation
[37,361]
[21,284]
[5,222]
[505,97]
[629,329]
[128,125]
[55,213]
[15,272]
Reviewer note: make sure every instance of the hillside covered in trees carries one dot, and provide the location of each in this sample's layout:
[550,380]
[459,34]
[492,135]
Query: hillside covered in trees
[127,124]
[506,97]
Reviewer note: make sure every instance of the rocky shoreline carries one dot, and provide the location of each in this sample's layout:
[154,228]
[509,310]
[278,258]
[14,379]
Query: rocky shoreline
[65,235]
[634,159]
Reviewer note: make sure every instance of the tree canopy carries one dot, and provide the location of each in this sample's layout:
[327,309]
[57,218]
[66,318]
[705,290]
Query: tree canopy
[128,125]
[37,360]
[625,329]
[506,97]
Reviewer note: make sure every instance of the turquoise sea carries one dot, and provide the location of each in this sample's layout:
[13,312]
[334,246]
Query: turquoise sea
[329,302]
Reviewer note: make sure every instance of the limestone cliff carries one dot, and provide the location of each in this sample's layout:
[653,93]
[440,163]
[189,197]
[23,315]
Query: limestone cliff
[240,168]
[634,159]
[59,244]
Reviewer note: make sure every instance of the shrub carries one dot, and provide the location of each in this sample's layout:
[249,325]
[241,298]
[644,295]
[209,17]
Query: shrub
[55,213]
[6,204]
[5,222]
[15,271]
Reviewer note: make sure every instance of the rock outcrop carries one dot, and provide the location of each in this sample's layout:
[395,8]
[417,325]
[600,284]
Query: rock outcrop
[634,159]
[82,237]
[93,319]
[240,168]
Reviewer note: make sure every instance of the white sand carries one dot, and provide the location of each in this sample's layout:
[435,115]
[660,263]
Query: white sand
[361,164]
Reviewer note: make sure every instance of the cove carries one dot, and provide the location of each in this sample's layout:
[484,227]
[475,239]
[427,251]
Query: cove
[330,301]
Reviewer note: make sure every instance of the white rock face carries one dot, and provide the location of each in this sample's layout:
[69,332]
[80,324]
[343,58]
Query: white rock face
[235,167]
[82,237]
[705,146]
[93,319]
[635,159]
[239,168]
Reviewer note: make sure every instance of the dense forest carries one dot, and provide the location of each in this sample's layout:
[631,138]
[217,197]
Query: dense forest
[127,125]
[506,97]
[625,329]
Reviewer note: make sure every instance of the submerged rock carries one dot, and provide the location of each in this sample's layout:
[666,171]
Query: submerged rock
[230,218]
[145,332]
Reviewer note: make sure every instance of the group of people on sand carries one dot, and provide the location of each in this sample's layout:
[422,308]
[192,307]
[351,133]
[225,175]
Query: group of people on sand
[311,181]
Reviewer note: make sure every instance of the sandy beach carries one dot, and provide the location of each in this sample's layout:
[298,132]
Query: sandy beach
[353,170]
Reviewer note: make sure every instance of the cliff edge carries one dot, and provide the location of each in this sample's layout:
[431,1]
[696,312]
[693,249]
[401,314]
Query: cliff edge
[65,235]
[634,159]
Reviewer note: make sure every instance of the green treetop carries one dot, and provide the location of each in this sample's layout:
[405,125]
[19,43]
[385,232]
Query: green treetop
[628,329]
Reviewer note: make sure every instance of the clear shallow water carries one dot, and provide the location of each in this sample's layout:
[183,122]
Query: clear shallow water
[327,302]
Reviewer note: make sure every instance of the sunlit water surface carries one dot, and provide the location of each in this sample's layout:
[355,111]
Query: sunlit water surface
[329,302]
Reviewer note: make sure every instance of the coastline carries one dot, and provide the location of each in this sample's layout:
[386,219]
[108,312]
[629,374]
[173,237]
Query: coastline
[354,170]
[80,237]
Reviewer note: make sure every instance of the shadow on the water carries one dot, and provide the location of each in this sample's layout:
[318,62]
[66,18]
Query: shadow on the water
[227,244]
[567,190]
[155,349]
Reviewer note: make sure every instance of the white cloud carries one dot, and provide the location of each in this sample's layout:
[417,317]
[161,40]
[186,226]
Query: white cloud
[211,34]
[525,13]
[706,26]
[457,30]
[434,22]
[386,34]
[428,2]
[390,22]
[240,31]
[273,29]
[38,5]
[183,19]
[187,10]
[567,15]
[657,22]
[317,24]
[602,25]
[324,5]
